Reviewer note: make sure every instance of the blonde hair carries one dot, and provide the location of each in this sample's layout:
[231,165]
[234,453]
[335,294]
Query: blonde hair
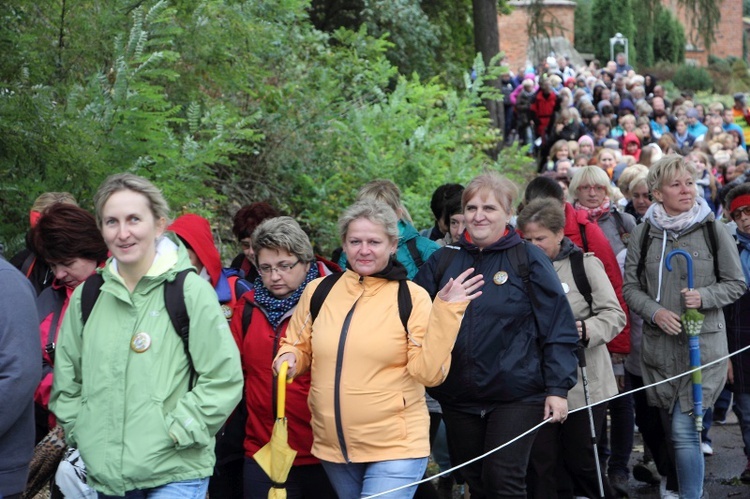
[627,175]
[47,199]
[589,175]
[666,169]
[504,190]
[387,192]
[129,182]
[376,212]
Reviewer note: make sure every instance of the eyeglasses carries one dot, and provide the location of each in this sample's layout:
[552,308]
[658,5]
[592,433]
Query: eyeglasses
[282,268]
[585,188]
[745,210]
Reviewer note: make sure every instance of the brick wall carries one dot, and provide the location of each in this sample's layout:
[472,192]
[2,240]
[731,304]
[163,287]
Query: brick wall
[728,35]
[514,37]
[728,40]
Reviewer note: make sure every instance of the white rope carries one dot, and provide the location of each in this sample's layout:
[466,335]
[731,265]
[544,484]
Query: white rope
[448,471]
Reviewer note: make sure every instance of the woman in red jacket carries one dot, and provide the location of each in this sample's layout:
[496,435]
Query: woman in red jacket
[68,238]
[286,264]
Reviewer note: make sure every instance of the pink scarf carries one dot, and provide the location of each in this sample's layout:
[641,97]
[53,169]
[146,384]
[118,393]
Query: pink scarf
[594,213]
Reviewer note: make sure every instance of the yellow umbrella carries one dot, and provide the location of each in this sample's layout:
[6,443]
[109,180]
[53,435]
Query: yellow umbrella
[276,457]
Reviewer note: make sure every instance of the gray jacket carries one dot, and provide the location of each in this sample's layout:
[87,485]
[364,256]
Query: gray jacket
[662,355]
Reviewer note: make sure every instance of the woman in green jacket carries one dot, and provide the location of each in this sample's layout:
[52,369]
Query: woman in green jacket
[123,391]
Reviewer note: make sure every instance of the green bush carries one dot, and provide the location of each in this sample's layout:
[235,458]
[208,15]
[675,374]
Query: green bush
[692,78]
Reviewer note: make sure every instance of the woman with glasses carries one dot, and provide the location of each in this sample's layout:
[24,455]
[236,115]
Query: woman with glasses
[286,264]
[375,343]
[738,319]
[591,192]
[680,219]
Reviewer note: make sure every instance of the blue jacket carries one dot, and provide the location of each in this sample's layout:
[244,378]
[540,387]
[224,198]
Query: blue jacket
[500,354]
[20,372]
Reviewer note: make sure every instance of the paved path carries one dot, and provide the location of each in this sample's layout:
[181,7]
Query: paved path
[722,469]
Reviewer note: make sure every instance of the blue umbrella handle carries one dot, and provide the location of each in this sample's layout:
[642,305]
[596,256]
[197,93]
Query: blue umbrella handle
[688,258]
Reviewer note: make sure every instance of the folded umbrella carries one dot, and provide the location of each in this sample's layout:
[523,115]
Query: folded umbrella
[276,457]
[692,322]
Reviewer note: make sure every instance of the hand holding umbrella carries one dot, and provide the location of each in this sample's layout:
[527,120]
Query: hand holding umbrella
[276,457]
[692,322]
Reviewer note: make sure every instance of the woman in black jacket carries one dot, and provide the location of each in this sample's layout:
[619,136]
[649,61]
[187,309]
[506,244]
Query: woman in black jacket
[514,359]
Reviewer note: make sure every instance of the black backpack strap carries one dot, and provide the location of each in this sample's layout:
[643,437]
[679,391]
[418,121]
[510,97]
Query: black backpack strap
[519,260]
[174,300]
[411,245]
[28,264]
[709,232]
[645,242]
[584,239]
[580,277]
[247,316]
[404,304]
[321,292]
[91,289]
[446,256]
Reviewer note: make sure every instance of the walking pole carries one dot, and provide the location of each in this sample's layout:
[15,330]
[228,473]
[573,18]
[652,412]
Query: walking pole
[581,351]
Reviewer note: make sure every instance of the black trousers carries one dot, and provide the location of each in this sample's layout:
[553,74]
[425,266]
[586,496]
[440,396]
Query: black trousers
[562,462]
[651,427]
[503,473]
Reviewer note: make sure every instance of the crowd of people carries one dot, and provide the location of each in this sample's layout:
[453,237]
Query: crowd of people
[154,368]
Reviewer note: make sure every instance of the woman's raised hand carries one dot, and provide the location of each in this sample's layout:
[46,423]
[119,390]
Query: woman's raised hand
[462,288]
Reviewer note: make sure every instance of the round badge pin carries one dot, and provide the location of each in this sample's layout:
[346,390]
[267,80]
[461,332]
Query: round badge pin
[227,311]
[500,278]
[140,342]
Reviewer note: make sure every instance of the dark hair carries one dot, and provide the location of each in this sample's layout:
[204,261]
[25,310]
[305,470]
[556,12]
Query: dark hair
[66,232]
[441,196]
[738,190]
[451,207]
[543,187]
[250,216]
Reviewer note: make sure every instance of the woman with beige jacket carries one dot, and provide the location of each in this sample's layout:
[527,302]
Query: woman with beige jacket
[542,222]
[368,371]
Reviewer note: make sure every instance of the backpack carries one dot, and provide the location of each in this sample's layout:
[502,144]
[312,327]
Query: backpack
[174,300]
[321,292]
[709,232]
[580,277]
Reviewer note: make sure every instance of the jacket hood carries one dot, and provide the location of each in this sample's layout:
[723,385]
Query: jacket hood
[406,231]
[195,231]
[630,138]
[566,248]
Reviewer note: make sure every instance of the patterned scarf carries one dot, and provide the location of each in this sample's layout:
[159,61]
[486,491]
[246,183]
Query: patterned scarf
[594,213]
[677,224]
[275,308]
[744,240]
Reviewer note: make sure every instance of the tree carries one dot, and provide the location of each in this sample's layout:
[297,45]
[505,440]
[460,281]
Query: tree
[584,42]
[487,43]
[610,17]
[669,39]
[226,102]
